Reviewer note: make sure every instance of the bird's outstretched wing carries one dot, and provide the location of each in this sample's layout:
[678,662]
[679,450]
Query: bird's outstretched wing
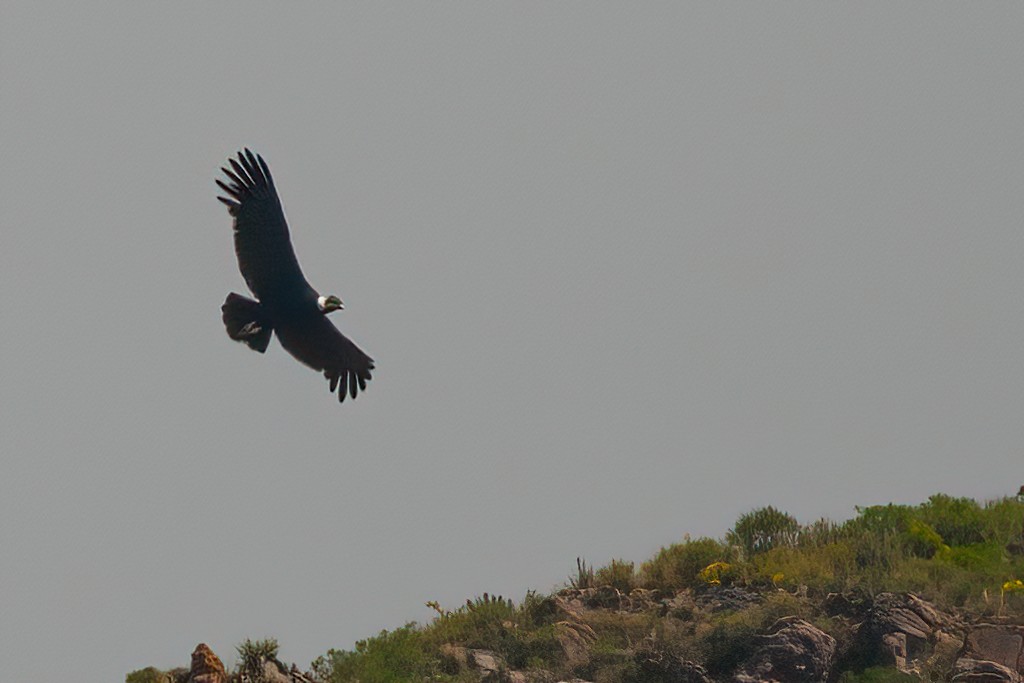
[319,344]
[262,243]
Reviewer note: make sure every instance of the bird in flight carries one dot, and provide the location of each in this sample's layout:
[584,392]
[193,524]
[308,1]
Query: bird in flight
[285,302]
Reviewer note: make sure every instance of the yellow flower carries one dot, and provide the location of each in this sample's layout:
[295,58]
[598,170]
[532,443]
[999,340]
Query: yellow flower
[712,574]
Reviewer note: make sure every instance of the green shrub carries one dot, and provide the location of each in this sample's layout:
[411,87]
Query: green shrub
[959,521]
[877,674]
[148,675]
[763,529]
[391,657]
[989,558]
[481,623]
[521,635]
[880,519]
[724,646]
[679,565]
[923,541]
[584,575]
[1003,521]
[820,533]
[822,569]
[252,654]
[876,553]
[618,574]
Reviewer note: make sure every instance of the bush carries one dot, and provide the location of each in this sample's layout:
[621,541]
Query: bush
[820,568]
[959,521]
[763,529]
[252,654]
[584,575]
[1004,521]
[618,574]
[148,675]
[391,657]
[924,541]
[820,533]
[679,565]
[521,636]
[878,674]
[880,519]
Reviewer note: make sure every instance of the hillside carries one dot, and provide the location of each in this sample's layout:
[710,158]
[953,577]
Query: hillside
[897,593]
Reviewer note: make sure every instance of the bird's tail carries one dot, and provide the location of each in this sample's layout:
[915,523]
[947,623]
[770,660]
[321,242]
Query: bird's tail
[246,322]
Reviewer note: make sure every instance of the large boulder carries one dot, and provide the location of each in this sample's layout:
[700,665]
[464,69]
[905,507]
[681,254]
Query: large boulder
[271,673]
[575,639]
[900,629]
[488,663]
[991,644]
[793,651]
[969,670]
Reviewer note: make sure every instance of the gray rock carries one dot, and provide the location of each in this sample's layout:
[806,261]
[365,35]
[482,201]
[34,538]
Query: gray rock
[853,604]
[659,666]
[720,598]
[487,664]
[273,674]
[981,671]
[999,643]
[605,597]
[794,651]
[900,630]
[575,639]
[991,652]
[905,613]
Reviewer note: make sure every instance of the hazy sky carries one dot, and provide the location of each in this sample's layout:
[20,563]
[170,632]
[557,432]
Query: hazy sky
[628,271]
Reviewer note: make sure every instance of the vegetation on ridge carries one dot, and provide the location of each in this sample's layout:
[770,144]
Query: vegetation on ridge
[961,555]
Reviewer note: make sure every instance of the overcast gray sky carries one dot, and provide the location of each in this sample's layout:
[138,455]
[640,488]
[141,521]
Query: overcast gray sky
[628,271]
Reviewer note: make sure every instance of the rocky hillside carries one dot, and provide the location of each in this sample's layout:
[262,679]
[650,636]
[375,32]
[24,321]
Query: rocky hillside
[892,637]
[899,593]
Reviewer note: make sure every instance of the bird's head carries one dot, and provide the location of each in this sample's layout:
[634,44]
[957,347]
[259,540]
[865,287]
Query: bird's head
[329,303]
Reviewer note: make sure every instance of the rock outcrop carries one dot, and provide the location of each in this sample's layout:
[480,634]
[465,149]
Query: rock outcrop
[487,664]
[659,666]
[206,666]
[900,630]
[794,651]
[979,671]
[991,652]
[722,598]
[891,629]
[575,638]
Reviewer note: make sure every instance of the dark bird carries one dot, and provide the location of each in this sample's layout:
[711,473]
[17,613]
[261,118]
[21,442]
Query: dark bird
[285,302]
